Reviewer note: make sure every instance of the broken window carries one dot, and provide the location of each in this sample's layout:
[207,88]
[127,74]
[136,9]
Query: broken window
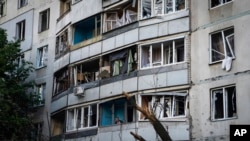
[121,15]
[82,117]
[44,20]
[2,8]
[42,56]
[214,3]
[86,72]
[61,81]
[223,103]
[123,61]
[160,7]
[58,123]
[165,105]
[116,109]
[40,90]
[20,30]
[222,45]
[163,53]
[62,45]
[22,3]
[87,29]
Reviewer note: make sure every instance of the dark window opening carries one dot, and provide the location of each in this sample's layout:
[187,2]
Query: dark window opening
[215,3]
[62,45]
[86,72]
[44,20]
[58,124]
[61,81]
[222,45]
[20,30]
[224,103]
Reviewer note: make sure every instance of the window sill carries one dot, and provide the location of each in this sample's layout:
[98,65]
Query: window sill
[81,129]
[224,119]
[218,62]
[38,68]
[173,119]
[165,65]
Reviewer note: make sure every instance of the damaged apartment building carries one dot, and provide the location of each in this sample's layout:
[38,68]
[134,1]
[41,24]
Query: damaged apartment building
[177,58]
[137,46]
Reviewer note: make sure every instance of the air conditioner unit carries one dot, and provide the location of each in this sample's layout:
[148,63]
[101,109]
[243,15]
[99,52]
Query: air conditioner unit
[79,91]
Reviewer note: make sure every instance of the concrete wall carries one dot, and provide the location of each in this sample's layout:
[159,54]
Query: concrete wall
[10,27]
[206,76]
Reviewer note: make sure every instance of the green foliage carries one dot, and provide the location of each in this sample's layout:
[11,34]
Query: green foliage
[15,100]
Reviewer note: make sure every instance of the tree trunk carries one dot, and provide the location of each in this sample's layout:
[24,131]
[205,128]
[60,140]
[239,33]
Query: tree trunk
[159,128]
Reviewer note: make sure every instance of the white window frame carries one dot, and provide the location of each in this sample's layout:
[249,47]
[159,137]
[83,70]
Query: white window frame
[22,3]
[159,110]
[163,8]
[225,103]
[40,89]
[225,41]
[20,30]
[222,2]
[72,122]
[41,22]
[42,56]
[172,52]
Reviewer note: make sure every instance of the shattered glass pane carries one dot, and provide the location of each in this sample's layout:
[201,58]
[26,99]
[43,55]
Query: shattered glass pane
[218,104]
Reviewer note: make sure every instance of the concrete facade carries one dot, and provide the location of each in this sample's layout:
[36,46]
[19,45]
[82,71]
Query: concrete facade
[208,75]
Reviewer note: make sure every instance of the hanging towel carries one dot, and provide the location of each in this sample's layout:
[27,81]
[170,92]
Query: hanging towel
[227,63]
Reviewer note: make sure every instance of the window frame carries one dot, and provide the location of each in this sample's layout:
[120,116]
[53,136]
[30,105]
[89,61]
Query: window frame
[40,90]
[164,55]
[115,106]
[163,8]
[61,81]
[128,13]
[158,109]
[2,8]
[74,121]
[22,3]
[44,25]
[20,30]
[225,103]
[225,43]
[42,57]
[62,43]
[221,3]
